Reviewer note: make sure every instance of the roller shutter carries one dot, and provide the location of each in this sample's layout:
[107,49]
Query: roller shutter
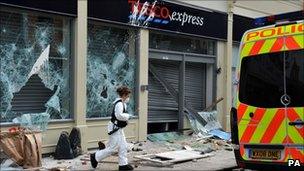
[32,97]
[195,85]
[162,107]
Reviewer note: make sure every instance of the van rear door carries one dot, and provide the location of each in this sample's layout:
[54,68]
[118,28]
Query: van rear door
[294,99]
[262,128]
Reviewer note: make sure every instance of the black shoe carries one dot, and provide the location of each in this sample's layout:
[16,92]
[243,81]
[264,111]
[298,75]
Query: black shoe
[101,145]
[126,167]
[93,160]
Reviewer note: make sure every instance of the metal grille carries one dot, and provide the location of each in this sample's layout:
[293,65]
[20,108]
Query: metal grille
[32,97]
[162,107]
[195,85]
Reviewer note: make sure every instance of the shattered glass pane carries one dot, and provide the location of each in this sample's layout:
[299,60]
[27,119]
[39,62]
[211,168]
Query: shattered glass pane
[34,121]
[111,63]
[212,121]
[34,45]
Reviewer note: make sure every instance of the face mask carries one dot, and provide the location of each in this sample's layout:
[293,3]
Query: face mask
[127,100]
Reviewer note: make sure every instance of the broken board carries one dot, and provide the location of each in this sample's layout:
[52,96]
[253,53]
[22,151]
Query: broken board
[168,158]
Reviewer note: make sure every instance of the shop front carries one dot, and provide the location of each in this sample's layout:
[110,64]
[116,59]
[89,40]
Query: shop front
[182,50]
[67,59]
[36,63]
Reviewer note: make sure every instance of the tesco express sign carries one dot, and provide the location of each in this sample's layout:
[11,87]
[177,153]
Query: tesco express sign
[163,12]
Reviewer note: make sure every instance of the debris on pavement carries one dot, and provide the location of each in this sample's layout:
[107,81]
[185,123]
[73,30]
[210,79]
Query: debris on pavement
[220,134]
[22,146]
[187,147]
[137,149]
[202,147]
[166,136]
[169,158]
[211,118]
[211,129]
[9,164]
[166,149]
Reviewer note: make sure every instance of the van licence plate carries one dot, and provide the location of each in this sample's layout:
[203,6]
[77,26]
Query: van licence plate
[265,154]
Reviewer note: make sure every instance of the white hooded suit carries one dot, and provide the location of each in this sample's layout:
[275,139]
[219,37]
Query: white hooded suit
[117,139]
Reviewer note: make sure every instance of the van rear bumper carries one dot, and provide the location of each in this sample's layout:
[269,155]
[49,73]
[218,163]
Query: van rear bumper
[257,165]
[260,165]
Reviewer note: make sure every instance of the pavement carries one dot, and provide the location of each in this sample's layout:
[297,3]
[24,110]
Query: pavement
[221,159]
[218,155]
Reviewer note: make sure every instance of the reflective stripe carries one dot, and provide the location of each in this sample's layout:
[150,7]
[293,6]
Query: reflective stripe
[246,49]
[278,45]
[267,46]
[245,120]
[273,126]
[259,132]
[287,140]
[296,154]
[294,135]
[241,111]
[254,121]
[256,47]
[242,151]
[272,32]
[280,135]
[291,44]
[293,116]
[299,39]
[272,45]
[293,153]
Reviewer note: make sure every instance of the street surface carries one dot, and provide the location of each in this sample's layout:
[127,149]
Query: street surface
[222,160]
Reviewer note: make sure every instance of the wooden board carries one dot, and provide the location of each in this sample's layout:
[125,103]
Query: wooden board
[180,155]
[168,158]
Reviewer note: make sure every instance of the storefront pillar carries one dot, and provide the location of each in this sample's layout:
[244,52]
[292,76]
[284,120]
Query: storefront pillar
[228,63]
[80,70]
[142,100]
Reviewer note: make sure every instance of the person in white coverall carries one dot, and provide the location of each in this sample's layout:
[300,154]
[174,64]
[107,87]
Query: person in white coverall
[117,139]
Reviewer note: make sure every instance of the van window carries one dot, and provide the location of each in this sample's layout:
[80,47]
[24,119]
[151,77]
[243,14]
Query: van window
[295,77]
[262,79]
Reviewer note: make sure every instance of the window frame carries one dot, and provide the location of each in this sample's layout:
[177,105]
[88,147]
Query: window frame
[136,30]
[243,95]
[70,18]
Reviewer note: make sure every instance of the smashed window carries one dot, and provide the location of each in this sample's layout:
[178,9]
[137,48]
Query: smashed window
[111,63]
[35,64]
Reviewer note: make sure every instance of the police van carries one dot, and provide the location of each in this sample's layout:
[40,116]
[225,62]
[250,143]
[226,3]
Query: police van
[267,120]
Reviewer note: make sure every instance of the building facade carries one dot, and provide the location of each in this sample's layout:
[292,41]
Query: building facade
[67,59]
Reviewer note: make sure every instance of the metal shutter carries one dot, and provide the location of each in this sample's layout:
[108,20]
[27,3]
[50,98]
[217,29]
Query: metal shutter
[162,107]
[32,97]
[195,85]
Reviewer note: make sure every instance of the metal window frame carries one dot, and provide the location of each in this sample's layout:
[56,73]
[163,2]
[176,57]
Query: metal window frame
[136,30]
[178,56]
[45,13]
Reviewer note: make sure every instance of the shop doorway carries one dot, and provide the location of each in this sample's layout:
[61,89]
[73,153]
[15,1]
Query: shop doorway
[186,76]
